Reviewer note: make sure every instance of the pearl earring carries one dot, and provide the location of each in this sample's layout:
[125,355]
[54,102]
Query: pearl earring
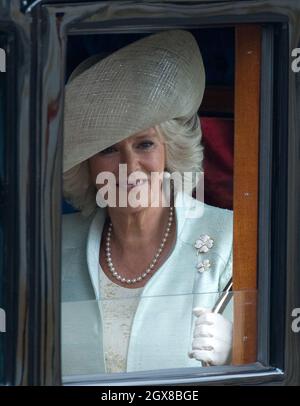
[167,175]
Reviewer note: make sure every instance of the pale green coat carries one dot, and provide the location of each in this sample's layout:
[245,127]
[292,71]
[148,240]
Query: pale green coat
[163,323]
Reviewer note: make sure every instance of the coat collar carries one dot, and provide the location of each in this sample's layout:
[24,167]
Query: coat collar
[186,208]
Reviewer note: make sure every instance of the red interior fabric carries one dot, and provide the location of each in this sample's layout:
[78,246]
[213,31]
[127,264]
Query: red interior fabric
[218,161]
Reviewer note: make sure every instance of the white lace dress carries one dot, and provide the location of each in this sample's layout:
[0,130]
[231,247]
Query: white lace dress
[118,305]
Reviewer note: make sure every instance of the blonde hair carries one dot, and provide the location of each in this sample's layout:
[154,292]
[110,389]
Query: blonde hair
[184,153]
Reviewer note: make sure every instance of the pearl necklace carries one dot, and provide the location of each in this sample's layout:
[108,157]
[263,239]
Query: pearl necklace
[153,262]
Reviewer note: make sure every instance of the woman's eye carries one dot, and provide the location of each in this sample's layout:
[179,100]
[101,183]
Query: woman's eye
[145,144]
[108,150]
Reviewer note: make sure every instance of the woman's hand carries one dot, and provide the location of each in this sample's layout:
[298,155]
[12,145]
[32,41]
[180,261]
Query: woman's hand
[212,338]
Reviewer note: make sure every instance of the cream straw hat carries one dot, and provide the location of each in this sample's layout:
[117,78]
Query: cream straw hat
[158,78]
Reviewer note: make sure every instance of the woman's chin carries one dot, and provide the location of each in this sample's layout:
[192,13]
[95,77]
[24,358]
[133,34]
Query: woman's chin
[129,210]
[134,209]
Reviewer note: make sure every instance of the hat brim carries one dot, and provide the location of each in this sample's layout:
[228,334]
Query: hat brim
[153,80]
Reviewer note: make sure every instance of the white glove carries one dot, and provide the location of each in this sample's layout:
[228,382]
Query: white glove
[212,338]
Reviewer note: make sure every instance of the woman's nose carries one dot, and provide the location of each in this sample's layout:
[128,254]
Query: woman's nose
[129,158]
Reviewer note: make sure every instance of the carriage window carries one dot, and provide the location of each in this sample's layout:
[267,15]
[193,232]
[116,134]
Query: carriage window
[150,288]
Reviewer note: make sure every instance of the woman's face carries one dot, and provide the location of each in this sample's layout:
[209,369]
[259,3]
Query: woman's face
[143,153]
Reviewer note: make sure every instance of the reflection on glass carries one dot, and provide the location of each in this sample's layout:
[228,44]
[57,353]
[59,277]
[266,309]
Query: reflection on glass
[141,333]
[144,259]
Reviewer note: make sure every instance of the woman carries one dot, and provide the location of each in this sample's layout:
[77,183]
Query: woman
[139,279]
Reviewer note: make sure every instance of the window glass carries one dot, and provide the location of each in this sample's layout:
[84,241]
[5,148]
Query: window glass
[118,313]
[113,336]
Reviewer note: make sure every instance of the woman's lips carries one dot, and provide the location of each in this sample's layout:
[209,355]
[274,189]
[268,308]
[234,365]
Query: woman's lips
[128,186]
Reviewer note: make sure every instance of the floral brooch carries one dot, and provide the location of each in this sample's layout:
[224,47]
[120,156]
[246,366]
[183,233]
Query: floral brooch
[203,245]
[203,265]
